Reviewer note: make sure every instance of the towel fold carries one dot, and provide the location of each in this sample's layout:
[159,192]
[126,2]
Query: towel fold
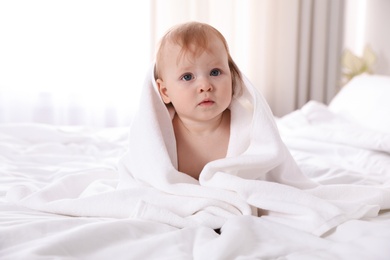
[258,177]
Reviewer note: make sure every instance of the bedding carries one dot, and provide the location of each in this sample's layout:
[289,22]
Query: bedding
[50,167]
[365,100]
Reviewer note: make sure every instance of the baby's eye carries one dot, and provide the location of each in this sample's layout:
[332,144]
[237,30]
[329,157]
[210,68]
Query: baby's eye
[215,72]
[187,77]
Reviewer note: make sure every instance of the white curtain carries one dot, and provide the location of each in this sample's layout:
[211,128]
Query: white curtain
[77,62]
[83,62]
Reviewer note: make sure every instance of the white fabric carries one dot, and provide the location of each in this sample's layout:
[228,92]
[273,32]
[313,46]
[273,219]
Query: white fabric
[258,173]
[365,100]
[37,155]
[72,71]
[333,150]
[69,107]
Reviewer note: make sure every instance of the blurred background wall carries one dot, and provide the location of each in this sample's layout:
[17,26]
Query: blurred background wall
[83,62]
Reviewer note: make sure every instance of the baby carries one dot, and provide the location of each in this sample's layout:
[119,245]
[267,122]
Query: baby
[196,75]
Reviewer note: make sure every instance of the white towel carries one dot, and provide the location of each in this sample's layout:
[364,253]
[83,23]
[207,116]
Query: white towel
[258,177]
[258,173]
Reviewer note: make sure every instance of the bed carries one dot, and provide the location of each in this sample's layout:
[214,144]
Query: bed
[345,142]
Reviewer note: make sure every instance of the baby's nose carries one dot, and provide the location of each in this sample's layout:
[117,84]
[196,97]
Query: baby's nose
[205,85]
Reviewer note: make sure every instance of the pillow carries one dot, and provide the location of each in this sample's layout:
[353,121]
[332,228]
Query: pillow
[365,100]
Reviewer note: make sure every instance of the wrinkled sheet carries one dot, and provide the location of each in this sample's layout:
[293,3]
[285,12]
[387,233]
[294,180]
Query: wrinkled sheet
[333,150]
[258,177]
[37,155]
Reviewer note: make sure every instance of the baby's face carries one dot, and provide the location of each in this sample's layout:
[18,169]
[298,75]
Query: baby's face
[200,87]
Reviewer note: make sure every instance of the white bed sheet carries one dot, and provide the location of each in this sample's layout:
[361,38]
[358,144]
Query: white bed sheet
[36,155]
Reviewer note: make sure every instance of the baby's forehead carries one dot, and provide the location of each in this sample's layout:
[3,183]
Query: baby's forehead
[175,49]
[192,49]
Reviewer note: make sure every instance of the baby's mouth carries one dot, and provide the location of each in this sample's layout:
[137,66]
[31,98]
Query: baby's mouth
[206,102]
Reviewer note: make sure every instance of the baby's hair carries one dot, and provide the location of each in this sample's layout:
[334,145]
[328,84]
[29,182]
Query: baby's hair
[196,34]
